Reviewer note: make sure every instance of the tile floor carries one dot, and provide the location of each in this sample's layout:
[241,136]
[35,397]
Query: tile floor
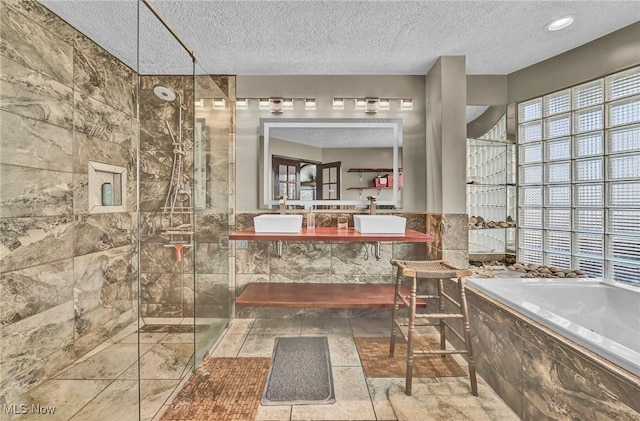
[103,385]
[359,397]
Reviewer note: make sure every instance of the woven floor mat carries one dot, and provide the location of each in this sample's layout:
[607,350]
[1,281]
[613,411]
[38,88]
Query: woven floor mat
[221,389]
[374,354]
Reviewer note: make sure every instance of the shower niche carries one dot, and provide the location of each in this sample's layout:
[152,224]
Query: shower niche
[107,188]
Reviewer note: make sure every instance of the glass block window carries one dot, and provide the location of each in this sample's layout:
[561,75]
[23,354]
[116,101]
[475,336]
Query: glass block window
[559,149]
[531,132]
[531,153]
[589,94]
[531,218]
[580,149]
[558,219]
[557,103]
[530,110]
[587,219]
[588,120]
[625,139]
[558,196]
[557,126]
[588,145]
[589,170]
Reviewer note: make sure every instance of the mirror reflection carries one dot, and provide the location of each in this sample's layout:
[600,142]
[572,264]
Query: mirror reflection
[331,163]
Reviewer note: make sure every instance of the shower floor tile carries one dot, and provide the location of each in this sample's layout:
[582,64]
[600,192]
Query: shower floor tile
[107,364]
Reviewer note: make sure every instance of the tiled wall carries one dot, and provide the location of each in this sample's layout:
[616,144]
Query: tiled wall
[539,375]
[66,276]
[167,286]
[335,262]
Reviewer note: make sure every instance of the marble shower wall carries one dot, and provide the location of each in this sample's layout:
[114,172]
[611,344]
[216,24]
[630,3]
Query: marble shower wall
[167,286]
[66,276]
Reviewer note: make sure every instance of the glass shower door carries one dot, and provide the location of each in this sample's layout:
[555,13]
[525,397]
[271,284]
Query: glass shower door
[212,137]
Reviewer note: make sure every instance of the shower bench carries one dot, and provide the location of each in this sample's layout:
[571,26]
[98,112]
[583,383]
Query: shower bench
[325,295]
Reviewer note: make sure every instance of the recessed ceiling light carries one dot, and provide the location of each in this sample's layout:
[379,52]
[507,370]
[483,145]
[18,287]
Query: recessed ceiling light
[560,23]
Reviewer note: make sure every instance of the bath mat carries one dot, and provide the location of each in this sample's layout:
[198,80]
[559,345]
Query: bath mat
[300,373]
[221,389]
[374,355]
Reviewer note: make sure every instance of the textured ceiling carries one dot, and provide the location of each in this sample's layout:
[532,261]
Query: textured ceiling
[341,37]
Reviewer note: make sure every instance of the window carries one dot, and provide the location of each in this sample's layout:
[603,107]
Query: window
[579,178]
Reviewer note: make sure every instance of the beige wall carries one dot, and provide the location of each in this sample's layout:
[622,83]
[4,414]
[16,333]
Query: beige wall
[446,136]
[609,54]
[324,89]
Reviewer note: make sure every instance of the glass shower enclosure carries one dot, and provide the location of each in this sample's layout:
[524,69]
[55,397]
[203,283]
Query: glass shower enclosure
[114,209]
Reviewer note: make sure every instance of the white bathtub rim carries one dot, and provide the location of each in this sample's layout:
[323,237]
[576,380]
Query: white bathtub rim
[607,349]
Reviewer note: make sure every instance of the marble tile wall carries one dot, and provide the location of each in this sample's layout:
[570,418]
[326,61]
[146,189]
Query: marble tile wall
[541,376]
[66,276]
[167,286]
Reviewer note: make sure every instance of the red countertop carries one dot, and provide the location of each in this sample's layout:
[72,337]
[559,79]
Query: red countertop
[332,234]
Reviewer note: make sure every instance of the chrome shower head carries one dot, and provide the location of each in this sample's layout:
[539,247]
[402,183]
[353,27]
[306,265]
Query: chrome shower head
[164,93]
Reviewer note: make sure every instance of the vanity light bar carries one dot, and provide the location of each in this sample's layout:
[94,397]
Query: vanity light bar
[310,104]
[218,103]
[287,104]
[263,103]
[278,104]
[242,104]
[406,104]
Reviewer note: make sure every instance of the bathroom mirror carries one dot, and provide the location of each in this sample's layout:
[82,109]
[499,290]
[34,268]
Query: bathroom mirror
[331,162]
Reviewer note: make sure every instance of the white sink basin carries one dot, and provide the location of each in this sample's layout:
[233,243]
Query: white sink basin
[379,224]
[278,223]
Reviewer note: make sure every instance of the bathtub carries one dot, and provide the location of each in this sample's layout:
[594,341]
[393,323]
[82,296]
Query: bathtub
[603,317]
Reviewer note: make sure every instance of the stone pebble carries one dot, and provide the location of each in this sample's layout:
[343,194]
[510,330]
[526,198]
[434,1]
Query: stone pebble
[532,270]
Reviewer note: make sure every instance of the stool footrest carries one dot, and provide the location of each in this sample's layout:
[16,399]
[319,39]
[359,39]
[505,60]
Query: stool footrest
[440,352]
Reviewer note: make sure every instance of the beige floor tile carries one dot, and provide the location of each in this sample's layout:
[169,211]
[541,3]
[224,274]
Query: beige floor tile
[273,326]
[66,396]
[240,326]
[119,401]
[229,346]
[164,361]
[273,413]
[445,399]
[325,326]
[260,345]
[342,350]
[154,395]
[352,399]
[378,389]
[107,364]
[145,338]
[370,327]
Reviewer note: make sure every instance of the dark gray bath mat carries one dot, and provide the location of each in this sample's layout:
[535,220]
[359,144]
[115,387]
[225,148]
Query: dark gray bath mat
[300,373]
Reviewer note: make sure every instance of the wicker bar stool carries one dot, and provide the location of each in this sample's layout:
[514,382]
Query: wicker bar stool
[430,270]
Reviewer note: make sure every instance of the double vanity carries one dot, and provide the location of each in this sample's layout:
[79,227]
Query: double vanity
[367,229]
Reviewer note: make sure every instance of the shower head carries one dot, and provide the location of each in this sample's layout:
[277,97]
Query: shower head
[164,93]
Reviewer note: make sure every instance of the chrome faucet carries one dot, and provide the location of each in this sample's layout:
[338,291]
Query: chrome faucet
[372,205]
[282,204]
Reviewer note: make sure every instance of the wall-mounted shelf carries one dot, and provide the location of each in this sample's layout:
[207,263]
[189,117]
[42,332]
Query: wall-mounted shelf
[372,170]
[370,188]
[491,192]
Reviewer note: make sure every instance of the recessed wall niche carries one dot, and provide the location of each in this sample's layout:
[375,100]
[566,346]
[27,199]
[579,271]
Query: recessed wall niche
[107,187]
